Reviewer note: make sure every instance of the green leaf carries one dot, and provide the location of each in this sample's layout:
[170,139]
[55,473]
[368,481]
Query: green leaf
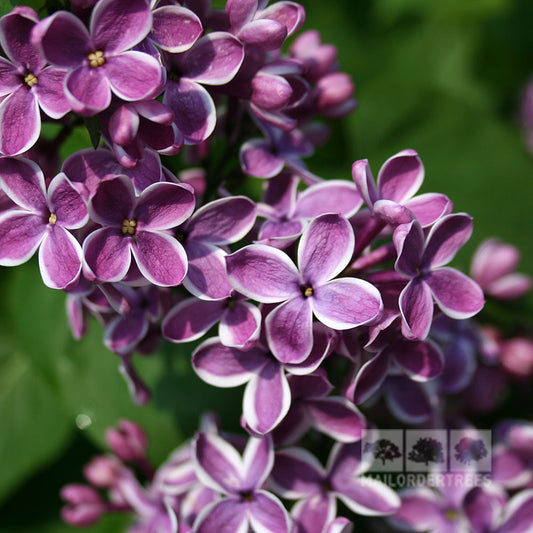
[93,127]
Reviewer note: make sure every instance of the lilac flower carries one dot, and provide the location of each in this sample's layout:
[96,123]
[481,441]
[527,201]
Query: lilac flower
[422,260]
[269,276]
[239,321]
[298,475]
[213,60]
[264,28]
[84,505]
[26,84]
[493,267]
[287,212]
[245,504]
[41,220]
[138,226]
[214,225]
[100,61]
[399,179]
[267,396]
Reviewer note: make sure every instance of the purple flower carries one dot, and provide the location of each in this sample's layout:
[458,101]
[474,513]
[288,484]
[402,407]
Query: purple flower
[245,504]
[298,475]
[268,275]
[100,61]
[399,179]
[41,220]
[26,84]
[493,268]
[423,261]
[138,226]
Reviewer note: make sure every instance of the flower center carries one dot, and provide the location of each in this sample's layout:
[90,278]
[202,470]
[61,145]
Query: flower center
[52,219]
[247,496]
[128,226]
[96,59]
[30,80]
[307,291]
[451,514]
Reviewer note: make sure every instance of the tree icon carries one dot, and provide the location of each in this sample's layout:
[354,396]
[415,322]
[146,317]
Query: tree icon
[469,449]
[383,449]
[426,450]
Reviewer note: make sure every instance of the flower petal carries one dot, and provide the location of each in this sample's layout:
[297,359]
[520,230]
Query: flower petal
[429,207]
[60,258]
[240,325]
[289,330]
[175,28]
[263,273]
[66,203]
[290,14]
[368,497]
[420,509]
[258,460]
[257,159]
[21,234]
[87,90]
[416,306]
[264,34]
[267,514]
[345,303]
[223,366]
[50,93]
[409,243]
[364,181]
[325,248]
[124,333]
[113,201]
[314,514]
[223,515]
[267,398]
[370,377]
[407,400]
[421,360]
[455,293]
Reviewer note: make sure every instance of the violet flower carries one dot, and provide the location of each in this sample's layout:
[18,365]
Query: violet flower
[245,504]
[41,220]
[268,275]
[26,84]
[100,61]
[138,227]
[423,261]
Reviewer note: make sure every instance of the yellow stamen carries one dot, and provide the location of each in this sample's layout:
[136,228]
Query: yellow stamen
[52,219]
[96,59]
[128,226]
[30,80]
[308,291]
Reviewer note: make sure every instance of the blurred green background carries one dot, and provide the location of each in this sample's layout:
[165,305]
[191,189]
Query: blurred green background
[443,78]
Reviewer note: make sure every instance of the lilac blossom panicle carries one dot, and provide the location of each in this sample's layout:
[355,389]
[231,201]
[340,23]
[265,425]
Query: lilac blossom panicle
[330,302]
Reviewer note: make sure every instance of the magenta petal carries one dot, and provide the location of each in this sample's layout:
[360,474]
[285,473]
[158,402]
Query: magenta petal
[325,248]
[9,77]
[240,325]
[134,75]
[345,303]
[108,254]
[164,206]
[20,122]
[223,366]
[407,400]
[124,333]
[289,330]
[266,513]
[113,201]
[193,108]
[416,306]
[223,515]
[258,459]
[206,277]
[218,464]
[429,207]
[160,258]
[493,260]
[117,25]
[63,39]
[368,497]
[190,319]
[223,221]
[60,258]
[175,28]
[509,287]
[87,90]
[267,399]
[419,508]
[314,514]
[214,59]
[421,360]
[258,160]
[445,238]
[240,12]
[518,513]
[290,14]
[409,243]
[67,204]
[400,176]
[370,377]
[124,125]
[50,93]
[264,34]
[332,196]
[23,181]
[338,418]
[364,181]
[21,234]
[263,273]
[455,293]
[15,31]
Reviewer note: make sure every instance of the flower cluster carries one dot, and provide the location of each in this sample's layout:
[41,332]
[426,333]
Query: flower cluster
[326,294]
